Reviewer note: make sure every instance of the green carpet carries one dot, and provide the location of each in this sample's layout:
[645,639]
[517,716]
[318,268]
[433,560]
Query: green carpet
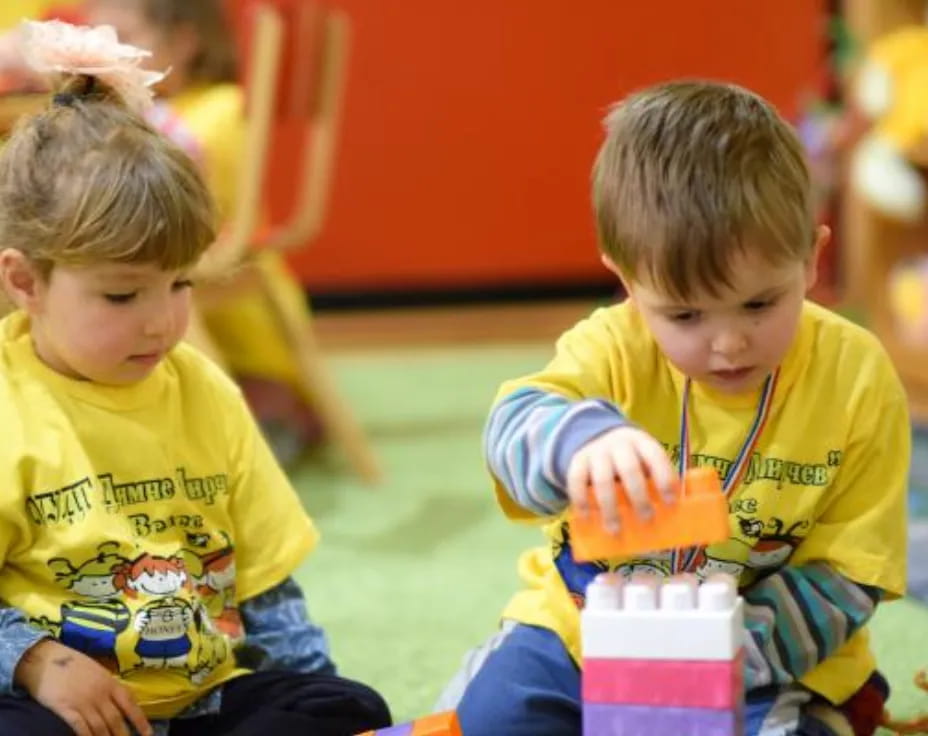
[412,574]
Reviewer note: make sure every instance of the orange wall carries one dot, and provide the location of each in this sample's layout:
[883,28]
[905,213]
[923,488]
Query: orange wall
[470,126]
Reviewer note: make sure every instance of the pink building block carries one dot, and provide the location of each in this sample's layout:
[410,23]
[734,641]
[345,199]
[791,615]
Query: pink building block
[686,684]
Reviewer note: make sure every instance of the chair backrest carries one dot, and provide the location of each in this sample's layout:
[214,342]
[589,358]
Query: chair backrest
[294,74]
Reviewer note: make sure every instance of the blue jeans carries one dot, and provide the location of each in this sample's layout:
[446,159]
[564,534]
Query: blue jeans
[529,686]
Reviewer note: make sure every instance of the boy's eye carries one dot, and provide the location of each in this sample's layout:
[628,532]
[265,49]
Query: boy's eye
[756,305]
[182,284]
[684,316]
[120,298]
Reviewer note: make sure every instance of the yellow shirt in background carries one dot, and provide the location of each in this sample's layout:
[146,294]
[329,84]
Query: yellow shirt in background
[135,519]
[13,11]
[827,479]
[208,122]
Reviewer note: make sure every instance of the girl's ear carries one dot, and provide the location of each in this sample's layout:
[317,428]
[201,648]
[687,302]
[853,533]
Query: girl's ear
[21,280]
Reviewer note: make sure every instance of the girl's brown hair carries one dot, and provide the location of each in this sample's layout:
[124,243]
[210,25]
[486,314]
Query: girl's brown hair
[87,180]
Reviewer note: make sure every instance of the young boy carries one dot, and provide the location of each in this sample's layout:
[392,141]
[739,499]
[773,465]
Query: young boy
[702,200]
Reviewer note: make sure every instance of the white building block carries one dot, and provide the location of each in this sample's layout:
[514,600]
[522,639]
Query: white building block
[648,618]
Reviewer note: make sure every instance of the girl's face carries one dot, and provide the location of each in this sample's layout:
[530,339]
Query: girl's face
[111,323]
[171,48]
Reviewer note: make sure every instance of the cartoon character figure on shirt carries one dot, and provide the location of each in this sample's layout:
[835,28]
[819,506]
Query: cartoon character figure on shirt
[212,647]
[773,550]
[706,565]
[92,623]
[216,587]
[162,625]
[656,564]
[576,575]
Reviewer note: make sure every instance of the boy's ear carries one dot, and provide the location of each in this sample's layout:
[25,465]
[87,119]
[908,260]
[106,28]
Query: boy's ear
[610,266]
[822,236]
[20,279]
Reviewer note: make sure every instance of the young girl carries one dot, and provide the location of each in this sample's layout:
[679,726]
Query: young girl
[130,465]
[200,107]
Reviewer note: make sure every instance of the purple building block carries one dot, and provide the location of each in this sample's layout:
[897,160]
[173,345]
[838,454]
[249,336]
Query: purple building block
[403,730]
[645,720]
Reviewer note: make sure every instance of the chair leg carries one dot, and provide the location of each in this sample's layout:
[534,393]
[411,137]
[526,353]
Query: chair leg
[337,418]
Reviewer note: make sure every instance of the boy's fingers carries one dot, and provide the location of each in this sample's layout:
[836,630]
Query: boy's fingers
[659,467]
[577,481]
[602,477]
[628,467]
[131,710]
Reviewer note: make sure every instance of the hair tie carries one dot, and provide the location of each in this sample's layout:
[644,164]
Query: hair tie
[54,47]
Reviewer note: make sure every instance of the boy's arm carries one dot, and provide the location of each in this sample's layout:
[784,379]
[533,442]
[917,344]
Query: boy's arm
[855,552]
[17,636]
[797,617]
[531,436]
[279,634]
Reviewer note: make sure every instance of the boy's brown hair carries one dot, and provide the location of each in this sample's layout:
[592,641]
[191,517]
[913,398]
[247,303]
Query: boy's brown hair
[88,181]
[692,172]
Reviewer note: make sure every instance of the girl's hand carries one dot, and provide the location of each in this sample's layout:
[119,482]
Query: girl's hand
[79,691]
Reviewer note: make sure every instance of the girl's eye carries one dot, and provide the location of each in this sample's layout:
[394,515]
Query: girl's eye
[183,284]
[758,305]
[120,298]
[684,317]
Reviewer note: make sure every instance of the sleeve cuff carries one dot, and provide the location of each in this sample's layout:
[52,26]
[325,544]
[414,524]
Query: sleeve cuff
[588,420]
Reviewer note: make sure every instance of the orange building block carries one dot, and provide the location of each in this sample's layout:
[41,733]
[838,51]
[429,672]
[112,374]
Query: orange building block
[438,724]
[698,518]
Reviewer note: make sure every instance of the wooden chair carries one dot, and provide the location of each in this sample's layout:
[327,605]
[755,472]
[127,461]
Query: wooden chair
[295,75]
[874,244]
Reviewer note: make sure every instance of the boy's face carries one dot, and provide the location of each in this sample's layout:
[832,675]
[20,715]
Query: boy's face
[110,323]
[732,341]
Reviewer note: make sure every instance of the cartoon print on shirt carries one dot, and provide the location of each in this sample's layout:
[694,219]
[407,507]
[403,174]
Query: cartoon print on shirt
[92,623]
[576,575]
[212,647]
[773,550]
[215,583]
[163,624]
[656,564]
[751,528]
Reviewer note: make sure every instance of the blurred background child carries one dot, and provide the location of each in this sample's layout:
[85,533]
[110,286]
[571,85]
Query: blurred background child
[200,107]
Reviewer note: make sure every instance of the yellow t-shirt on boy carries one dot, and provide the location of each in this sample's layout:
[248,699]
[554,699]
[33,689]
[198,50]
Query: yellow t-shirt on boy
[826,480]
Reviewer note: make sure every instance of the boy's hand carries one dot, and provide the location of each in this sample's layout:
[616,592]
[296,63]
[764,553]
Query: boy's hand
[79,691]
[626,454]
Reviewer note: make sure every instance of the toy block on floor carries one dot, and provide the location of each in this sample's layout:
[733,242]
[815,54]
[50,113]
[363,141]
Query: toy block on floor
[438,724]
[698,517]
[662,657]
[679,619]
[659,682]
[642,720]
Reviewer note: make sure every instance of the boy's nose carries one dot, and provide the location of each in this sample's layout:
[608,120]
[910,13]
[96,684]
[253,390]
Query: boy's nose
[729,342]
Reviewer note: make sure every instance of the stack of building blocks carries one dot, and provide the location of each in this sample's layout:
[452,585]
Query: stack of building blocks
[438,724]
[662,657]
[698,517]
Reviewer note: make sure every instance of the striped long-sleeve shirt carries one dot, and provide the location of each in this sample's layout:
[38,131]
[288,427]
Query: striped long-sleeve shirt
[795,617]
